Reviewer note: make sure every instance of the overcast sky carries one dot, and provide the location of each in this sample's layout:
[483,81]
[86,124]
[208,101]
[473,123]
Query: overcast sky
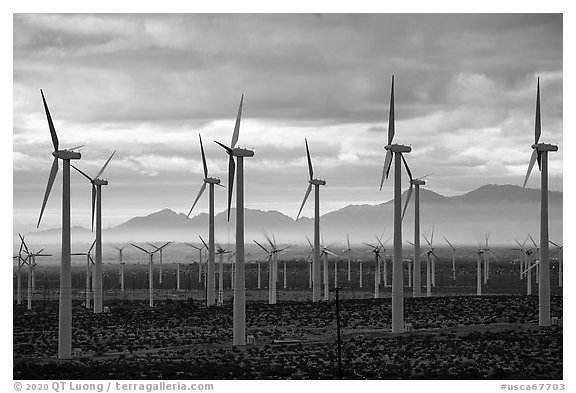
[147,85]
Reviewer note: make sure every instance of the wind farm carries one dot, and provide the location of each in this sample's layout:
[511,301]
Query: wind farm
[149,283]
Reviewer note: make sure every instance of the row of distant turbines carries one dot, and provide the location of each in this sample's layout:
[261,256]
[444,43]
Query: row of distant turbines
[526,265]
[394,153]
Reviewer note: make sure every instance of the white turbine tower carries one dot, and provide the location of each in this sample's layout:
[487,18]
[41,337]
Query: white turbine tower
[65,302]
[210,271]
[239,324]
[325,251]
[417,279]
[396,151]
[540,154]
[150,271]
[89,263]
[220,251]
[97,184]
[316,282]
[479,253]
[349,252]
[430,264]
[121,263]
[453,260]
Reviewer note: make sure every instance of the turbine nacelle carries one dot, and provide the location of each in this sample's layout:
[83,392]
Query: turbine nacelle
[212,180]
[67,154]
[544,147]
[100,182]
[240,152]
[397,148]
[418,182]
[317,182]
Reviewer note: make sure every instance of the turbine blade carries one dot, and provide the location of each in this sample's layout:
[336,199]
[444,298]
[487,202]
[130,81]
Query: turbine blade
[310,170]
[533,242]
[407,200]
[203,242]
[105,165]
[387,163]
[554,243]
[309,242]
[228,150]
[330,253]
[82,173]
[406,165]
[432,237]
[165,244]
[538,127]
[348,240]
[203,157]
[140,248]
[261,246]
[197,198]
[93,204]
[51,178]
[237,125]
[530,165]
[92,246]
[304,201]
[409,242]
[269,241]
[425,238]
[391,115]
[450,244]
[231,170]
[50,123]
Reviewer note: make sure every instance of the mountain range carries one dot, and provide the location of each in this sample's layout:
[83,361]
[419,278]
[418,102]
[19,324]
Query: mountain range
[508,212]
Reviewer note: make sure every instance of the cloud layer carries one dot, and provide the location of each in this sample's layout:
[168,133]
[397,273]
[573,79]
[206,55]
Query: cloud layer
[147,84]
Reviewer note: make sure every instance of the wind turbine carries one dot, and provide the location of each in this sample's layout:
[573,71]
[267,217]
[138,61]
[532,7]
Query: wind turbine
[383,271]
[97,184]
[487,259]
[65,301]
[310,267]
[200,263]
[270,272]
[32,262]
[560,250]
[479,253]
[324,253]
[538,266]
[150,271]
[239,324]
[525,254]
[210,271]
[396,150]
[21,263]
[453,259]
[89,260]
[376,250]
[316,283]
[121,267]
[349,252]
[540,154]
[160,267]
[417,280]
[430,265]
[220,251]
